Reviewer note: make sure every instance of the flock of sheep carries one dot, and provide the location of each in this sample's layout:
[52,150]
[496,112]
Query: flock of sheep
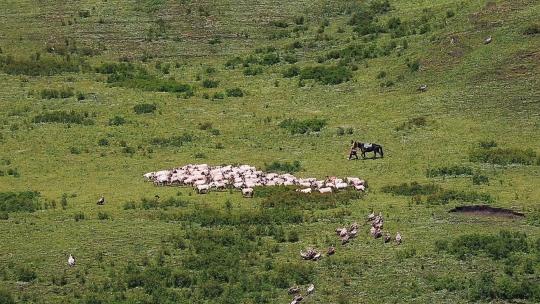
[205,178]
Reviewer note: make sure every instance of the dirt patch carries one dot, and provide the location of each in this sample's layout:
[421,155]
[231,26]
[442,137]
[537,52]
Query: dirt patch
[485,210]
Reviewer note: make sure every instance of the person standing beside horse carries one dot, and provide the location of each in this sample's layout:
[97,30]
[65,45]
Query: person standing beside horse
[354,150]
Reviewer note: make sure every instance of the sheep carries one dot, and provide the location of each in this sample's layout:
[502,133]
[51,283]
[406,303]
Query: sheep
[359,187]
[203,189]
[101,201]
[247,192]
[331,250]
[422,88]
[297,299]
[307,190]
[488,40]
[310,289]
[398,238]
[341,185]
[325,190]
[71,261]
[293,290]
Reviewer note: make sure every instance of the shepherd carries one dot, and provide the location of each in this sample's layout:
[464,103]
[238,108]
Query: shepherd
[354,150]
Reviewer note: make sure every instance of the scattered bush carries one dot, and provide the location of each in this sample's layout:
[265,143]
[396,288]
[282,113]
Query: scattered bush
[27,201]
[291,71]
[413,66]
[235,92]
[281,24]
[498,246]
[532,29]
[416,122]
[4,216]
[118,120]
[218,95]
[486,144]
[78,216]
[445,196]
[504,156]
[286,167]
[144,108]
[6,297]
[57,93]
[103,216]
[39,66]
[173,141]
[63,117]
[25,274]
[479,179]
[74,150]
[455,170]
[207,83]
[253,70]
[303,126]
[326,74]
[411,189]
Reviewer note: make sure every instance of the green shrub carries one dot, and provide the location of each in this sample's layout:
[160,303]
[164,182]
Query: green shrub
[413,66]
[284,167]
[450,14]
[411,189]
[6,297]
[281,24]
[504,156]
[144,108]
[25,274]
[207,83]
[103,216]
[340,131]
[117,120]
[253,70]
[173,141]
[486,144]
[57,93]
[291,71]
[63,117]
[326,74]
[235,92]
[128,150]
[42,66]
[532,29]
[26,201]
[270,59]
[129,205]
[218,95]
[479,179]
[74,150]
[303,126]
[446,196]
[498,246]
[78,216]
[415,122]
[455,170]
[4,216]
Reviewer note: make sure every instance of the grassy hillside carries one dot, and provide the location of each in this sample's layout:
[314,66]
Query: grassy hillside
[96,93]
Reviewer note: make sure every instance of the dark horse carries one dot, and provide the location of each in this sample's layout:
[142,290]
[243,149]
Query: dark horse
[364,147]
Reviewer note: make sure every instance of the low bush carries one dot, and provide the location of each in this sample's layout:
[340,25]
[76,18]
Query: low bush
[505,156]
[218,95]
[497,246]
[6,297]
[208,83]
[279,23]
[291,71]
[103,216]
[283,167]
[25,274]
[144,108]
[65,117]
[455,170]
[532,29]
[412,189]
[235,92]
[74,150]
[253,70]
[305,126]
[173,141]
[486,144]
[416,122]
[57,93]
[330,75]
[4,216]
[443,197]
[27,201]
[78,216]
[117,120]
[39,65]
[479,179]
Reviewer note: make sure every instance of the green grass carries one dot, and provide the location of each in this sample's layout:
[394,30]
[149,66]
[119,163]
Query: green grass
[288,75]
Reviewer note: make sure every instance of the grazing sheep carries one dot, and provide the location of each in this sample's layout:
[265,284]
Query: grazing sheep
[398,238]
[297,299]
[247,192]
[371,216]
[325,190]
[422,88]
[293,290]
[310,289]
[71,261]
[101,201]
[387,237]
[488,40]
[307,190]
[203,189]
[331,250]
